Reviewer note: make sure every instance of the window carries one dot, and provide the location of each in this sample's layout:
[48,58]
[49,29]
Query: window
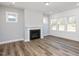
[71,26]
[11,17]
[45,20]
[53,24]
[61,24]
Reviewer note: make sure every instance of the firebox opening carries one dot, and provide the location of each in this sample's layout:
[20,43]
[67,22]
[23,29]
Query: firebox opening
[34,34]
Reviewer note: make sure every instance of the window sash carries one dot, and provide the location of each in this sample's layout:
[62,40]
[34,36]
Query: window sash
[54,27]
[61,27]
[71,27]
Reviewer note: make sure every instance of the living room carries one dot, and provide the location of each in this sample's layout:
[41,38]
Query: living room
[39,28]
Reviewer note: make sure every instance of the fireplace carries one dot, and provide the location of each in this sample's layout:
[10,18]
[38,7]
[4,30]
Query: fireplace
[34,34]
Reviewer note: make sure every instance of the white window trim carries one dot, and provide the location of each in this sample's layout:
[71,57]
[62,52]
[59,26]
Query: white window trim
[11,21]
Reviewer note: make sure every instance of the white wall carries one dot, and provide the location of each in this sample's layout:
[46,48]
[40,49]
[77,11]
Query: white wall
[33,18]
[65,34]
[45,25]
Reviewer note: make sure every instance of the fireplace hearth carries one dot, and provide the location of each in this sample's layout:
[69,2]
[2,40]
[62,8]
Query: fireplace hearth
[34,34]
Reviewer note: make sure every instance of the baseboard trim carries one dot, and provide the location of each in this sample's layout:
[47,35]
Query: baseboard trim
[65,38]
[11,41]
[26,40]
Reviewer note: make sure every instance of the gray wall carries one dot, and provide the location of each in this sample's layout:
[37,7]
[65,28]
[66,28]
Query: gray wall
[11,31]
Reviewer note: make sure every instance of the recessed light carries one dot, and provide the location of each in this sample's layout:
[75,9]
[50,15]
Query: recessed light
[13,3]
[46,3]
[77,4]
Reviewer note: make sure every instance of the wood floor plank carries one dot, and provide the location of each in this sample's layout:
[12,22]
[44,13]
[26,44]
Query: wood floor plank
[5,50]
[12,51]
[49,46]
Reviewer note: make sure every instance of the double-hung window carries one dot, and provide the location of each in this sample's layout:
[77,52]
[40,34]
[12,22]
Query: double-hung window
[53,24]
[71,26]
[61,24]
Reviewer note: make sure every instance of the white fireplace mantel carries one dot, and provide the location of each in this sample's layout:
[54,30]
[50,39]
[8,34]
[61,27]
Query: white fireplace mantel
[27,32]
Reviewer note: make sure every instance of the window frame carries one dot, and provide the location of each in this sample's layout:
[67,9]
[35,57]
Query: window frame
[11,13]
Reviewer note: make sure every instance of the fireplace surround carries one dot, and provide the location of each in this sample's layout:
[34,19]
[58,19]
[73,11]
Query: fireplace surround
[29,30]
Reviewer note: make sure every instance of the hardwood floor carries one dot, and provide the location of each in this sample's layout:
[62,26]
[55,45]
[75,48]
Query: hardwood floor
[49,46]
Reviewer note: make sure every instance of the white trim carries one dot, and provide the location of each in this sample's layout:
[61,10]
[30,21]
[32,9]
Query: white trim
[10,41]
[68,38]
[26,40]
[27,32]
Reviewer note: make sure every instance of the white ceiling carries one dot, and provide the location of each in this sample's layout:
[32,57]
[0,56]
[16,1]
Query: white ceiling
[54,7]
